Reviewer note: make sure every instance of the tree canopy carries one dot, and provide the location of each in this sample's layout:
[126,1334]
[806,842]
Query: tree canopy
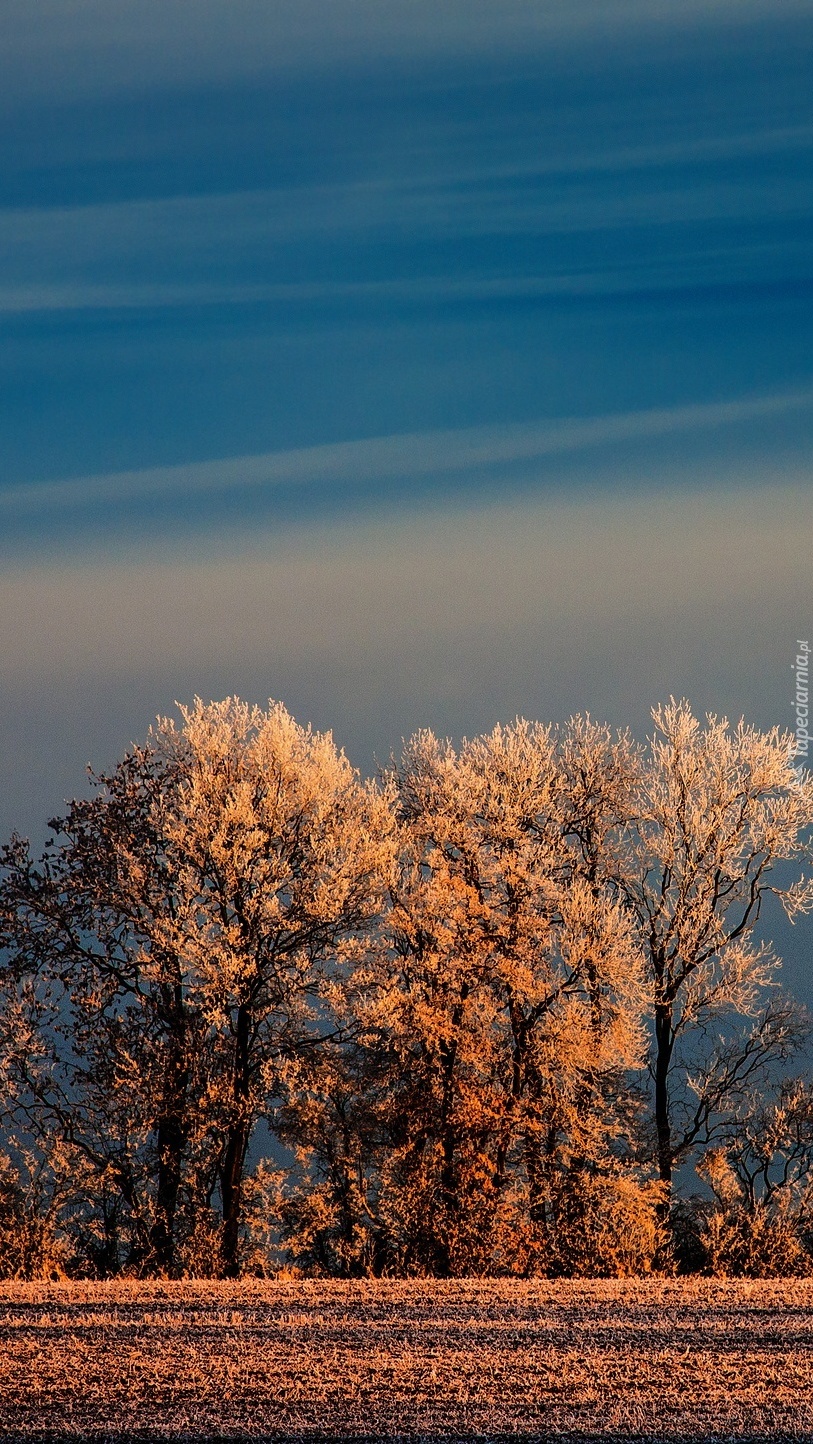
[504,1009]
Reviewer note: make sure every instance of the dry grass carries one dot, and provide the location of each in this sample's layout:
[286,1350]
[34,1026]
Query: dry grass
[611,1360]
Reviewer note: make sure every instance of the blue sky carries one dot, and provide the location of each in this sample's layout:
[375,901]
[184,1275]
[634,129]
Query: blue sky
[415,364]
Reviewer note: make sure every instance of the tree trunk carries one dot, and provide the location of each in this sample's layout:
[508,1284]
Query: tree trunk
[664,1043]
[238,1134]
[449,1178]
[170,1146]
[512,1102]
[231,1187]
[172,1133]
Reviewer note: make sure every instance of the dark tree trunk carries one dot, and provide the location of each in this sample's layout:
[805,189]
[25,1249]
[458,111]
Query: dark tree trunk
[512,1104]
[232,1193]
[449,1175]
[664,1043]
[237,1140]
[172,1133]
[171,1142]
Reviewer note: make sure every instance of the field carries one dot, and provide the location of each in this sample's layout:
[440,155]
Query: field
[711,1360]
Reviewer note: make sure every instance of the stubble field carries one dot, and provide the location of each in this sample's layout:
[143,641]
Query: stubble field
[644,1360]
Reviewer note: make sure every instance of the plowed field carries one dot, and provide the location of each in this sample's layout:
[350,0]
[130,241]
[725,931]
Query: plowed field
[640,1360]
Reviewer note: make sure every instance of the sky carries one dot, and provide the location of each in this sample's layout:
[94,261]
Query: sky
[416,365]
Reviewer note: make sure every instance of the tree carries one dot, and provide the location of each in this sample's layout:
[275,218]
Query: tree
[435,989]
[761,1221]
[717,811]
[110,1038]
[509,992]
[334,1116]
[283,855]
[193,911]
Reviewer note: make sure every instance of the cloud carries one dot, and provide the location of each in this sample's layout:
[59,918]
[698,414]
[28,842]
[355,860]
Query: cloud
[464,453]
[71,47]
[476,578]
[236,248]
[456,619]
[402,294]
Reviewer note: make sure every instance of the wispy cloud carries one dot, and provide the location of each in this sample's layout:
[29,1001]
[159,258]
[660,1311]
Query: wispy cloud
[654,216]
[463,452]
[418,292]
[164,238]
[143,41]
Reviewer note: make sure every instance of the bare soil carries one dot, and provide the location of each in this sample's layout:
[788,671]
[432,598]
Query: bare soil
[424,1360]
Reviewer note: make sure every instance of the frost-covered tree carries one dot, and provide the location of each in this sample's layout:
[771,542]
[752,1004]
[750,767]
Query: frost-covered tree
[174,944]
[107,1043]
[760,1222]
[282,855]
[440,990]
[510,993]
[717,812]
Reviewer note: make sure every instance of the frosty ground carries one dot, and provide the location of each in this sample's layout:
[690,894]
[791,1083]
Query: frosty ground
[310,1359]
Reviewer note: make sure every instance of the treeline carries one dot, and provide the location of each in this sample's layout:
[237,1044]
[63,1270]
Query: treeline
[504,1010]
